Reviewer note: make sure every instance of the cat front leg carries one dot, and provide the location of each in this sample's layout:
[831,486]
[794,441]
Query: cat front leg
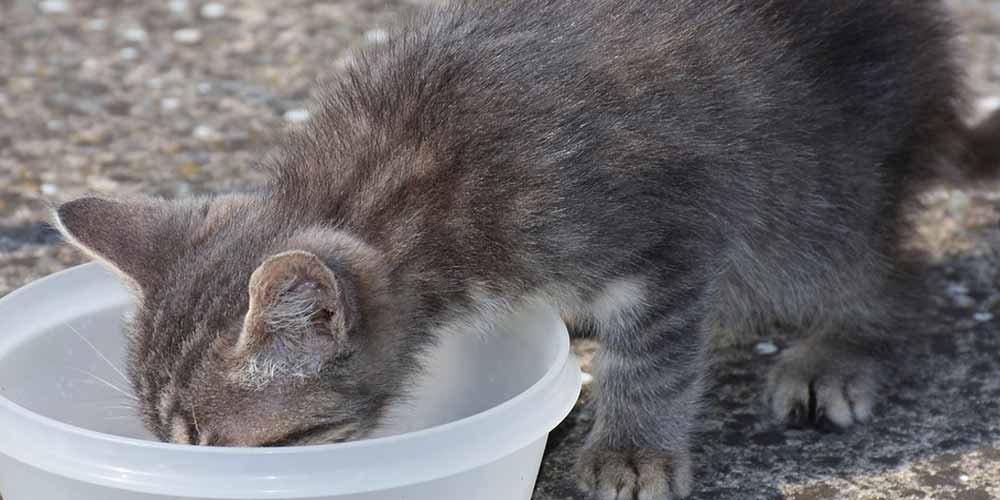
[651,373]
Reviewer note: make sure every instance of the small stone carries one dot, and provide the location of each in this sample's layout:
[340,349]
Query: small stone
[203,88]
[765,348]
[297,115]
[90,65]
[231,104]
[22,84]
[89,137]
[170,148]
[187,36]
[964,301]
[586,378]
[101,184]
[169,103]
[97,24]
[213,10]
[205,133]
[376,36]
[55,125]
[190,168]
[48,188]
[963,478]
[128,53]
[54,6]
[75,162]
[178,6]
[959,293]
[954,289]
[982,317]
[135,34]
[252,16]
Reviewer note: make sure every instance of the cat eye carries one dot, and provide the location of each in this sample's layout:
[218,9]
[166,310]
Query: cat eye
[303,435]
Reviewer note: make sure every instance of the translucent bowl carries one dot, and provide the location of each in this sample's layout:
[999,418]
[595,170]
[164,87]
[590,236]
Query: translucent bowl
[475,430]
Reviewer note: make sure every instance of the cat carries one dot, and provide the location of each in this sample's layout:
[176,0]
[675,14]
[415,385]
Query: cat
[665,173]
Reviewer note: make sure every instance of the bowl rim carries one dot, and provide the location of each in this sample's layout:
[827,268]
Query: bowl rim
[563,366]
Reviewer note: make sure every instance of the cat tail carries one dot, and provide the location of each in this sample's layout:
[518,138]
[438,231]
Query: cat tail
[981,158]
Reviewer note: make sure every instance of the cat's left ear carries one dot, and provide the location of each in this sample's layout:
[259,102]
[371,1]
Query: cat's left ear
[299,306]
[138,237]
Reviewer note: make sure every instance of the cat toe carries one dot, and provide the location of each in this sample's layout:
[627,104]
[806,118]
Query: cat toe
[639,474]
[827,393]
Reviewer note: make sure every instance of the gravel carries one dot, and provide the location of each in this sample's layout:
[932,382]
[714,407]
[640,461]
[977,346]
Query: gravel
[182,97]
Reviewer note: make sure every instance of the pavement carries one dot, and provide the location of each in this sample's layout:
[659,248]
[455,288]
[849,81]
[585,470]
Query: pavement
[181,97]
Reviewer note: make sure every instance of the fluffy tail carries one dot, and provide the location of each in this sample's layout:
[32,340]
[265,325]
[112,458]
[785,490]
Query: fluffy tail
[981,159]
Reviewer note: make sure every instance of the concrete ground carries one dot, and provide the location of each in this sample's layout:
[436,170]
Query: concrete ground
[180,97]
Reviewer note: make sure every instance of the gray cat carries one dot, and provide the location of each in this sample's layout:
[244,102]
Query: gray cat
[665,172]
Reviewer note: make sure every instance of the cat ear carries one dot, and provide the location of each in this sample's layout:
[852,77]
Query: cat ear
[130,236]
[298,306]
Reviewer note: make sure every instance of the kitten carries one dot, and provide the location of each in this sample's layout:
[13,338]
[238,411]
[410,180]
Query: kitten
[664,172]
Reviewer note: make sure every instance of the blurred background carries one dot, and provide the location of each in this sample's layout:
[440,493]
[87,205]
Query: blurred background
[178,97]
[170,97]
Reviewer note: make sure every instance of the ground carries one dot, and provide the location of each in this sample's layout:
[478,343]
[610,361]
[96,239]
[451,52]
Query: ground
[180,97]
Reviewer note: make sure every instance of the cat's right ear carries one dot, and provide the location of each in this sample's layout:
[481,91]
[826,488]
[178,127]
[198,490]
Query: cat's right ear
[133,237]
[300,310]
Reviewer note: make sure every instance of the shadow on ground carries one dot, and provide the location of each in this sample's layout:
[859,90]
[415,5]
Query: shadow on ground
[936,434]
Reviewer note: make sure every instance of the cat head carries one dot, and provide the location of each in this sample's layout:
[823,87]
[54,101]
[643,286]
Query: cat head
[253,327]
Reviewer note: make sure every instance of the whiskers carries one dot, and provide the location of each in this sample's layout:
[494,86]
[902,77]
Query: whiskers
[131,406]
[122,407]
[105,382]
[97,351]
[126,409]
[130,411]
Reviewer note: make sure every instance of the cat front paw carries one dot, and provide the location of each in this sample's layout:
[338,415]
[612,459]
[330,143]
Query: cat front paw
[635,474]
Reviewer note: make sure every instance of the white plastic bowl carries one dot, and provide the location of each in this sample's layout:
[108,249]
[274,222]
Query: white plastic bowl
[476,429]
